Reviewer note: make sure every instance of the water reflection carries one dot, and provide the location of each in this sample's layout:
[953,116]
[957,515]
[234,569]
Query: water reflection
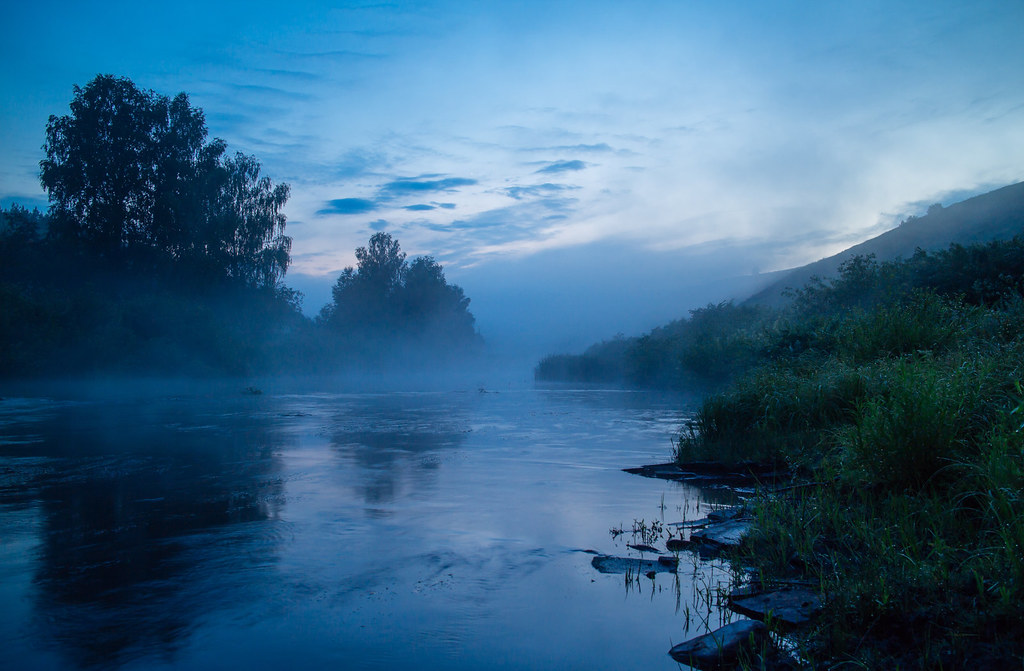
[335,531]
[395,439]
[125,495]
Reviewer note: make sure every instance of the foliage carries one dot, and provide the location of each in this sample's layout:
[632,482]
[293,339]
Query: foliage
[161,254]
[893,393]
[386,301]
[715,343]
[130,175]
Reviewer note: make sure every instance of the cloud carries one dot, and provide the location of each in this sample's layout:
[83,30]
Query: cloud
[521,192]
[512,222]
[358,162]
[563,166]
[421,207]
[600,147]
[378,225]
[291,74]
[332,56]
[348,206]
[261,90]
[400,186]
[28,202]
[446,206]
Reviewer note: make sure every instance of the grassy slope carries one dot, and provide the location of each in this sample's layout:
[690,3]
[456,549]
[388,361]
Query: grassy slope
[894,391]
[716,342]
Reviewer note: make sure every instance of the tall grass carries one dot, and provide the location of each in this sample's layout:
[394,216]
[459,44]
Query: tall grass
[905,415]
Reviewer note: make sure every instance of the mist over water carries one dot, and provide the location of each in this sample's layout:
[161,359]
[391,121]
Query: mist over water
[436,529]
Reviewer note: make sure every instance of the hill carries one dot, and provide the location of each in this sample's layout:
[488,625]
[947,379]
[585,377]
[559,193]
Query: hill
[717,342]
[996,215]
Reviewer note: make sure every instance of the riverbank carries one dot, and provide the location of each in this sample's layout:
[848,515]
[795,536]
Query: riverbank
[893,395]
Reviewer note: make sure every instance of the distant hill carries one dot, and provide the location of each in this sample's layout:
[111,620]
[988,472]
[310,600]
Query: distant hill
[997,215]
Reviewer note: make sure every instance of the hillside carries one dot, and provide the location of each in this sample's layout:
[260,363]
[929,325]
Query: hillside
[996,215]
[717,342]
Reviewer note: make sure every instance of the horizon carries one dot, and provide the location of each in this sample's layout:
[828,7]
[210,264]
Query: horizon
[580,170]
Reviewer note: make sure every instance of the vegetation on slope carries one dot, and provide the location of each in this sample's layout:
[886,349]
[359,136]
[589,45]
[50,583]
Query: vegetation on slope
[718,341]
[715,343]
[894,392]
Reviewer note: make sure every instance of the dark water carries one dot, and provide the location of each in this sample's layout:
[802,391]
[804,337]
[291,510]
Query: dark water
[355,531]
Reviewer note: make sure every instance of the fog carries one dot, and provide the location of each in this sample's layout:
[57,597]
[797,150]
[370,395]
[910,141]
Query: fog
[561,301]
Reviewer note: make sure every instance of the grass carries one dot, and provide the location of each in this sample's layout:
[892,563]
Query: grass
[903,418]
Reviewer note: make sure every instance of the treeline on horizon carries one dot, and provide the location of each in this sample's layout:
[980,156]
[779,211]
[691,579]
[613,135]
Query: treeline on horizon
[163,254]
[719,342]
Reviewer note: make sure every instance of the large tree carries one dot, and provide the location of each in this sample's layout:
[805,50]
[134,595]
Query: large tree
[131,175]
[384,296]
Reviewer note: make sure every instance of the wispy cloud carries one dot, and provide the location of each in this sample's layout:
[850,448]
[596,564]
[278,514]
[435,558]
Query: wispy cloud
[532,191]
[597,148]
[348,206]
[403,186]
[562,166]
[359,162]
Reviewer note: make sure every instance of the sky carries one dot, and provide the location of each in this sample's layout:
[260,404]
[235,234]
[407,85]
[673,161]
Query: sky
[579,168]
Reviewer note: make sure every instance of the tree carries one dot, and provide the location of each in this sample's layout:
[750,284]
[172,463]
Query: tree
[364,298]
[130,176]
[381,265]
[432,305]
[386,296]
[247,239]
[21,225]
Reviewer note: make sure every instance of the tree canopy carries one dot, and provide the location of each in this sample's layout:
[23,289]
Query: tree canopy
[162,254]
[387,297]
[131,175]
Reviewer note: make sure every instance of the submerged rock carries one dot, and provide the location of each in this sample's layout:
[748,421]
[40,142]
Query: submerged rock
[723,534]
[724,648]
[789,607]
[726,514]
[643,548]
[610,564]
[677,544]
[752,473]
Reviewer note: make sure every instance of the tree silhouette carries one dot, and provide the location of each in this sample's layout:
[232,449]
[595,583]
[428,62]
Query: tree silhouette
[130,175]
[385,297]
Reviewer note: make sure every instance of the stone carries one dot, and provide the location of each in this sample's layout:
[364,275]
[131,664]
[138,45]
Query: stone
[710,471]
[610,564]
[724,648]
[789,607]
[724,534]
[677,544]
[726,514]
[643,548]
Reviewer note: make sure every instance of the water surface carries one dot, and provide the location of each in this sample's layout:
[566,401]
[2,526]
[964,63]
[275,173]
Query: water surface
[438,530]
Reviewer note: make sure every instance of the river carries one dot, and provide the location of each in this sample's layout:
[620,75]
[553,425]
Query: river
[216,529]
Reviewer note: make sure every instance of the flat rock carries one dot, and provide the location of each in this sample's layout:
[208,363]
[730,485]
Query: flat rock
[610,564]
[677,544]
[714,517]
[733,474]
[723,534]
[790,607]
[726,514]
[725,647]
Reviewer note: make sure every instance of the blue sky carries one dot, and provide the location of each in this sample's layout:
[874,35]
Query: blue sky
[563,160]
